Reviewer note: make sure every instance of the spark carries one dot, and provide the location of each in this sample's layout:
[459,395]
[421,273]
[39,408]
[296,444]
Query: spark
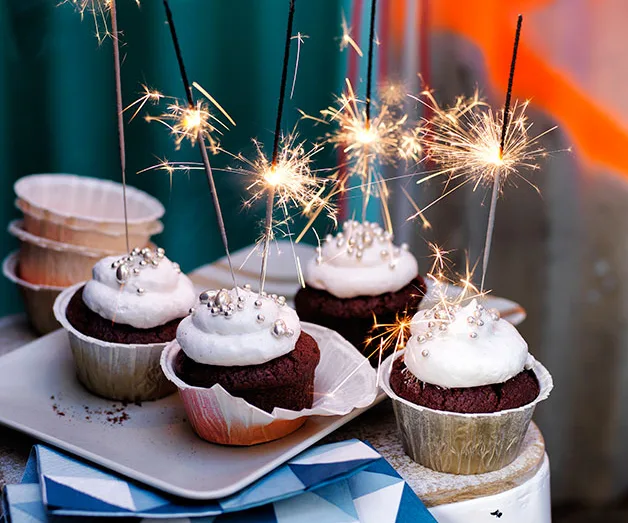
[410,146]
[99,11]
[367,144]
[191,123]
[292,182]
[300,38]
[464,141]
[346,39]
[392,93]
[393,335]
[148,95]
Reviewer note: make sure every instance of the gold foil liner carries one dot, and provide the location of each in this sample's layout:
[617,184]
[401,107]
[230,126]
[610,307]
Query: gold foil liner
[463,443]
[80,202]
[101,240]
[117,371]
[38,299]
[47,262]
[344,381]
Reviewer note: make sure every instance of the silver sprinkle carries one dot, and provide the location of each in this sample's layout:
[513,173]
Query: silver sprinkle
[231,307]
[473,335]
[480,307]
[136,271]
[223,298]
[257,303]
[247,286]
[144,250]
[128,259]
[241,299]
[392,265]
[281,301]
[241,306]
[350,250]
[228,313]
[429,335]
[383,253]
[495,315]
[279,328]
[329,238]
[192,310]
[140,291]
[204,297]
[260,318]
[135,251]
[274,296]
[425,353]
[340,242]
[215,311]
[405,247]
[470,320]
[155,263]
[431,324]
[115,264]
[351,242]
[148,255]
[160,255]
[263,294]
[442,327]
[359,254]
[160,250]
[422,339]
[480,323]
[143,263]
[122,273]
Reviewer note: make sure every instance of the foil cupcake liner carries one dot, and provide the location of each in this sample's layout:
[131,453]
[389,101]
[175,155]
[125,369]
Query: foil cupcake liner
[344,381]
[117,371]
[457,443]
[38,299]
[86,203]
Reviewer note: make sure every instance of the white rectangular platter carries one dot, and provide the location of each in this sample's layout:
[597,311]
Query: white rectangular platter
[151,443]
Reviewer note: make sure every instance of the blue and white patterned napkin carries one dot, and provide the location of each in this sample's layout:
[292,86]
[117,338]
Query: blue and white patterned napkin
[338,482]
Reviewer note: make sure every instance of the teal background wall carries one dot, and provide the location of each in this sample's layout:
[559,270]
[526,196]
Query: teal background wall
[56,92]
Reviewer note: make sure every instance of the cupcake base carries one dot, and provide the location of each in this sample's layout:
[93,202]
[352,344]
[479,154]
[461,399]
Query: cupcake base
[86,321]
[458,443]
[516,392]
[117,371]
[286,382]
[352,318]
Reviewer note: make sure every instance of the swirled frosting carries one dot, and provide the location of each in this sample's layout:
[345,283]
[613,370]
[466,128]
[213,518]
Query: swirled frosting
[361,260]
[236,329]
[144,289]
[453,346]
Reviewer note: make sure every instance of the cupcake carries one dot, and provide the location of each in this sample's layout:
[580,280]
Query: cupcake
[465,389]
[119,322]
[357,275]
[250,345]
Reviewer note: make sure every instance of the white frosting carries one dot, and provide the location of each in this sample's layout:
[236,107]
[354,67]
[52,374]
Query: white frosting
[228,330]
[141,295]
[361,261]
[464,347]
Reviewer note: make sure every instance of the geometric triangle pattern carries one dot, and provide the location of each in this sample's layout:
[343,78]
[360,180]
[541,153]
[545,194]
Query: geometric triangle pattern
[342,482]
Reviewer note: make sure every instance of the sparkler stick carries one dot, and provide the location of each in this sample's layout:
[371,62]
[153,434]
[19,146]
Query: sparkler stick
[497,179]
[271,191]
[120,116]
[369,73]
[200,140]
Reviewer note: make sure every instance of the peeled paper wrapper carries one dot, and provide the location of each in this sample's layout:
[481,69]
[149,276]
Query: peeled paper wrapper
[86,203]
[117,371]
[344,381]
[47,262]
[102,240]
[457,443]
[38,299]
